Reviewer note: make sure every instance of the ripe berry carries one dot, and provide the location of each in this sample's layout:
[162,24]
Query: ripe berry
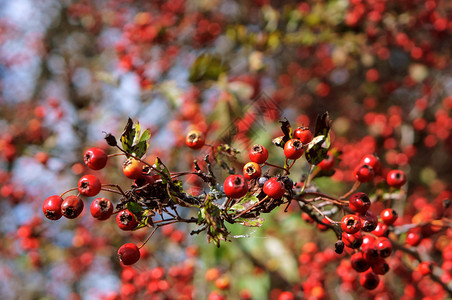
[369,221]
[384,247]
[369,280]
[126,220]
[101,208]
[413,237]
[327,163]
[258,154]
[351,224]
[286,295]
[72,207]
[389,216]
[380,267]
[359,202]
[195,139]
[371,253]
[303,134]
[353,241]
[359,263]
[95,158]
[133,168]
[364,173]
[129,254]
[274,188]
[52,207]
[396,178]
[89,185]
[368,241]
[324,226]
[293,149]
[252,170]
[381,230]
[425,268]
[235,186]
[372,161]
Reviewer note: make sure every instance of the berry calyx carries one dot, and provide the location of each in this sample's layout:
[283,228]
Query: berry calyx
[396,178]
[359,202]
[274,188]
[251,170]
[72,207]
[293,149]
[52,207]
[364,173]
[195,139]
[89,185]
[95,158]
[101,208]
[235,186]
[258,154]
[389,216]
[126,220]
[133,168]
[303,134]
[129,254]
[351,224]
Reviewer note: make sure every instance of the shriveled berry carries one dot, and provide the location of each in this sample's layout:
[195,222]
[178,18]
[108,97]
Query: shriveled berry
[129,254]
[72,207]
[235,186]
[101,208]
[251,170]
[89,185]
[126,220]
[52,207]
[274,188]
[258,154]
[95,158]
[396,178]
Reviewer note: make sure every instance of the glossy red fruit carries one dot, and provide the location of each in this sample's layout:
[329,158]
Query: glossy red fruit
[389,216]
[252,170]
[396,178]
[384,246]
[370,253]
[293,149]
[351,224]
[195,139]
[95,158]
[369,280]
[101,208]
[413,237]
[353,241]
[364,173]
[72,207]
[286,295]
[380,267]
[235,186]
[381,230]
[89,185]
[359,263]
[274,188]
[258,154]
[324,225]
[126,220]
[368,241]
[129,254]
[303,134]
[372,161]
[327,163]
[369,221]
[133,168]
[359,203]
[425,268]
[52,207]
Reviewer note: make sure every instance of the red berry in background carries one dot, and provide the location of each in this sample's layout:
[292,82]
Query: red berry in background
[359,202]
[328,162]
[359,263]
[286,295]
[353,241]
[380,267]
[369,221]
[388,216]
[258,154]
[303,134]
[129,254]
[133,168]
[351,224]
[95,158]
[293,149]
[364,173]
[384,246]
[381,230]
[425,268]
[101,208]
[252,170]
[195,139]
[396,178]
[126,220]
[72,207]
[324,226]
[89,185]
[235,186]
[372,161]
[413,237]
[369,280]
[216,296]
[274,188]
[223,282]
[52,207]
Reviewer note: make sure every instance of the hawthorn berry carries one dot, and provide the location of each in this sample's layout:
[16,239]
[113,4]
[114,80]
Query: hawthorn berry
[251,170]
[101,208]
[359,263]
[381,230]
[95,158]
[396,178]
[52,207]
[380,266]
[389,216]
[384,246]
[425,268]
[413,237]
[235,186]
[133,168]
[359,202]
[369,221]
[195,139]
[89,185]
[353,241]
[364,173]
[293,149]
[372,161]
[72,207]
[129,254]
[351,224]
[274,188]
[303,134]
[286,295]
[369,280]
[370,253]
[258,154]
[368,241]
[327,163]
[126,220]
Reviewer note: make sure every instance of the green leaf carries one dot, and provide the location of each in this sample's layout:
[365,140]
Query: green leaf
[127,136]
[251,222]
[161,167]
[207,67]
[137,131]
[134,207]
[317,149]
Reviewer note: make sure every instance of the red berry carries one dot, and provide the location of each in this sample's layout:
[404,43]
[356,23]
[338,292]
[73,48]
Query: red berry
[370,253]
[95,158]
[327,163]
[359,202]
[389,216]
[101,208]
[369,221]
[126,220]
[235,186]
[129,254]
[384,246]
[413,237]
[286,295]
[351,224]
[381,230]
[274,188]
[368,241]
[353,241]
[195,139]
[52,207]
[258,154]
[380,267]
[369,280]
[359,263]
[72,207]
[364,173]
[324,226]
[303,134]
[396,178]
[133,168]
[293,149]
[252,171]
[372,161]
[89,185]
[425,268]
